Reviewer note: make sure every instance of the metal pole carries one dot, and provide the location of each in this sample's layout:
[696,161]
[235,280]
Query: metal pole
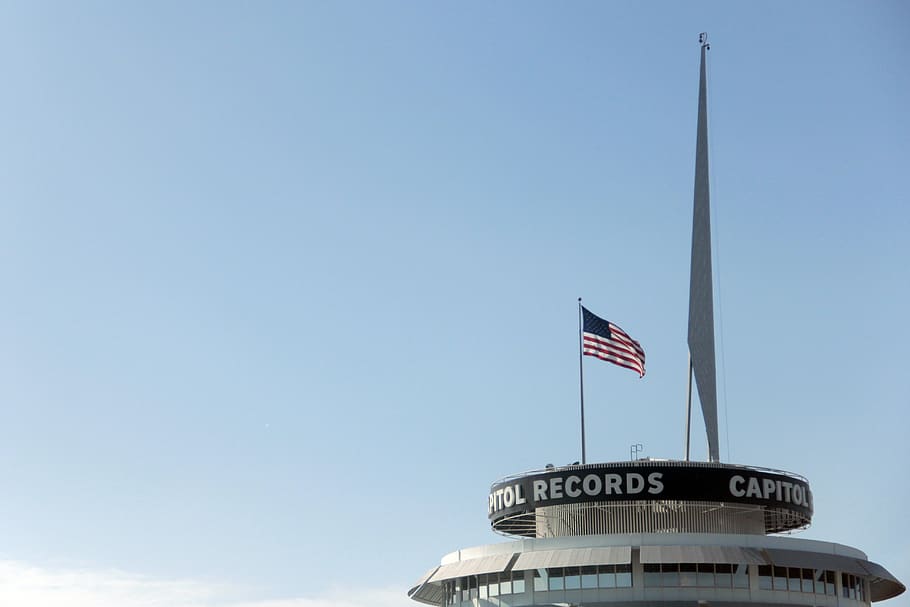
[689,407]
[581,380]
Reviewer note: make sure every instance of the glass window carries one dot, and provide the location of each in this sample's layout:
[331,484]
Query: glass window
[808,584]
[505,583]
[780,578]
[794,579]
[518,586]
[829,583]
[723,575]
[556,579]
[669,575]
[853,586]
[819,581]
[624,575]
[606,576]
[614,576]
[764,577]
[573,578]
[652,574]
[705,575]
[741,576]
[846,581]
[589,577]
[688,574]
[493,584]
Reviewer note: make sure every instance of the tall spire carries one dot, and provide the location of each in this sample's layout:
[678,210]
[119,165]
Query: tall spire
[701,295]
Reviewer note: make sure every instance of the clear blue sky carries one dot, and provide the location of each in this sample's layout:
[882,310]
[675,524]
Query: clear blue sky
[286,286]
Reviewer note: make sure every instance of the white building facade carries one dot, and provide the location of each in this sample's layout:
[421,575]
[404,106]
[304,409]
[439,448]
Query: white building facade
[647,533]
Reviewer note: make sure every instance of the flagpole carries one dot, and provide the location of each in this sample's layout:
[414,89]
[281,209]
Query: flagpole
[581,380]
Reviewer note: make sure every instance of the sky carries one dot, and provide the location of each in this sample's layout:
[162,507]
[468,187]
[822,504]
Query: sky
[287,285]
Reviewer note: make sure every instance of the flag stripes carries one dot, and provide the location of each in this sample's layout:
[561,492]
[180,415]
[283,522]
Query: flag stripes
[606,341]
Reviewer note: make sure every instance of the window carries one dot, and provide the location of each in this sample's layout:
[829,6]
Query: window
[794,579]
[664,575]
[556,578]
[623,575]
[518,582]
[614,576]
[723,575]
[573,578]
[606,576]
[808,584]
[652,574]
[589,577]
[705,577]
[829,584]
[700,575]
[688,575]
[764,577]
[846,583]
[669,575]
[505,584]
[853,587]
[780,578]
[493,584]
[741,576]
[819,579]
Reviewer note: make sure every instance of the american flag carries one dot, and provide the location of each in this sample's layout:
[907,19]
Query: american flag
[606,341]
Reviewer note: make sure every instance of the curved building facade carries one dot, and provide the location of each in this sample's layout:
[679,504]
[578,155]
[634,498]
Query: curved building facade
[648,532]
